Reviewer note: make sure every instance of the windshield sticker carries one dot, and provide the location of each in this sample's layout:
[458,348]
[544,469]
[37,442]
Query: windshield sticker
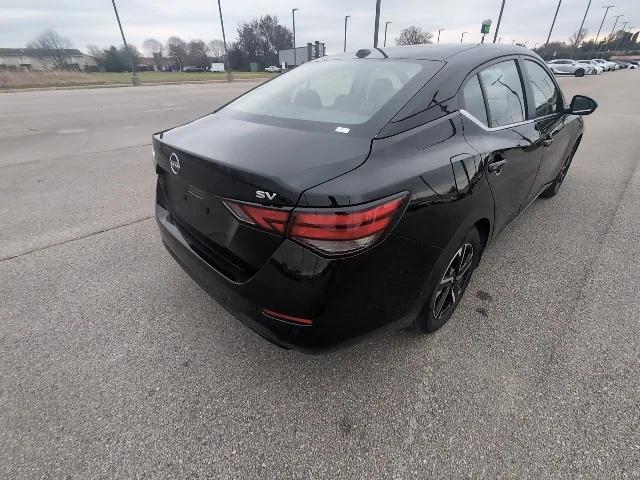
[343,130]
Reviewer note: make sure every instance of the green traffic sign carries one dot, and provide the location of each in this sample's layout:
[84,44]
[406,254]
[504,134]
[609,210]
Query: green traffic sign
[486,25]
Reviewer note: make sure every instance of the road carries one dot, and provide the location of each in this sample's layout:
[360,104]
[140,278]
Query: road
[116,365]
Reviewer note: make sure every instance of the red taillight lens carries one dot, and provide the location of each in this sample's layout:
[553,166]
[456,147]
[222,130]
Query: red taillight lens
[270,219]
[330,231]
[344,230]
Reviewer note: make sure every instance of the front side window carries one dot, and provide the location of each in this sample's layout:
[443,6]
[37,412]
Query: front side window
[503,88]
[343,92]
[474,100]
[546,96]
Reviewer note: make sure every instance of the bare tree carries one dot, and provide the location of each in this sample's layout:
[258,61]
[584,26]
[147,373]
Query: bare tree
[215,48]
[198,53]
[577,37]
[413,36]
[154,49]
[54,48]
[177,50]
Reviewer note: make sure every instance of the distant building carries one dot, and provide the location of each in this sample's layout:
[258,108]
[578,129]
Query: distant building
[39,59]
[302,55]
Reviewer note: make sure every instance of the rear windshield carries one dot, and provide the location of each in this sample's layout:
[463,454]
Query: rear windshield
[341,92]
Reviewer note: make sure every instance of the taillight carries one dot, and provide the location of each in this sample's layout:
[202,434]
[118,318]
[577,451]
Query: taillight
[344,230]
[330,231]
[270,219]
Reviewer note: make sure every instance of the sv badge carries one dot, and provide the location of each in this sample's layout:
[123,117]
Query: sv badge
[268,195]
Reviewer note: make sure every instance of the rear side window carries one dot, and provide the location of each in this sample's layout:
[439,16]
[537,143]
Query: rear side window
[503,88]
[546,96]
[474,100]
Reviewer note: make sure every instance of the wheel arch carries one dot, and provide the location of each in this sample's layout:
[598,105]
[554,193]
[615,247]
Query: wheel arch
[484,229]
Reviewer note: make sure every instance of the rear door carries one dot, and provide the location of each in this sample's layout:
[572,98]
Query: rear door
[503,134]
[547,104]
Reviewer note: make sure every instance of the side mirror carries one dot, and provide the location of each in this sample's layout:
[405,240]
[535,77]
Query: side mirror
[581,105]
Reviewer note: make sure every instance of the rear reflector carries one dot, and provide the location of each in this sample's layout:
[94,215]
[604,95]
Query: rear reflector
[287,318]
[344,230]
[330,231]
[270,219]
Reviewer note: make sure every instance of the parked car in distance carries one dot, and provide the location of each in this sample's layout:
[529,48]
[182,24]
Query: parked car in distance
[608,66]
[192,69]
[595,68]
[565,66]
[272,69]
[318,211]
[624,64]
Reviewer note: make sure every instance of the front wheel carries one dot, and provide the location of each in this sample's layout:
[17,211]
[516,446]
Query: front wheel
[579,73]
[448,287]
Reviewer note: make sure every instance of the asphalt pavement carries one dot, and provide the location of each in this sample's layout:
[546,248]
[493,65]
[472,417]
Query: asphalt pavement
[116,365]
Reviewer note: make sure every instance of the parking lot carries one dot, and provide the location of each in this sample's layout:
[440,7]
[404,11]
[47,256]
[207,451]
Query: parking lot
[115,364]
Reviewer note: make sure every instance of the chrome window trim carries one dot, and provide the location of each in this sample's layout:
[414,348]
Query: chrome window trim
[502,127]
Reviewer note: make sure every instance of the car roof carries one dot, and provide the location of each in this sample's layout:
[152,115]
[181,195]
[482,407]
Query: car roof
[440,51]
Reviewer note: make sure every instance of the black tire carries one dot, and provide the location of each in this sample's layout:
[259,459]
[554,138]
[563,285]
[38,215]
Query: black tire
[579,73]
[448,285]
[554,188]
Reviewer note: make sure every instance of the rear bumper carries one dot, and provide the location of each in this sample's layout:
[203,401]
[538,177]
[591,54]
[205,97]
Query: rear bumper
[345,298]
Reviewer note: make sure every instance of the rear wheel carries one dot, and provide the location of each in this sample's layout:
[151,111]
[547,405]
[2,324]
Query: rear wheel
[552,189]
[449,285]
[579,73]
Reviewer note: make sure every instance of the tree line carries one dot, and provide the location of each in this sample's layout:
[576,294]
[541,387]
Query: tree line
[260,39]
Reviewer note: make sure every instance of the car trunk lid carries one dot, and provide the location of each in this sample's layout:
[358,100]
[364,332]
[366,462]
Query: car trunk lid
[212,159]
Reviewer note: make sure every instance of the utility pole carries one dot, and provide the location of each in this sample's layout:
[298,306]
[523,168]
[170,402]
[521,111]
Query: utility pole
[439,34]
[134,77]
[495,35]
[377,25]
[224,41]
[295,59]
[385,33]
[553,23]
[602,23]
[345,32]
[579,34]
[462,36]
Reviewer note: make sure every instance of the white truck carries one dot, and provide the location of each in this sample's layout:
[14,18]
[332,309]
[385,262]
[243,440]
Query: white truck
[217,67]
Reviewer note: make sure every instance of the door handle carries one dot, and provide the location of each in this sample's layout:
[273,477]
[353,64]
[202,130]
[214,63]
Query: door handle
[548,140]
[496,166]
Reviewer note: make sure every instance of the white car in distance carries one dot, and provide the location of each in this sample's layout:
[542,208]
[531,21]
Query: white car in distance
[566,66]
[597,69]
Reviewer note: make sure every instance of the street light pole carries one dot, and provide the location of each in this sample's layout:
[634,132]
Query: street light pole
[224,41]
[377,25]
[439,34]
[495,35]
[345,32]
[614,24]
[607,7]
[295,59]
[462,36]
[385,33]
[134,77]
[553,23]
[579,34]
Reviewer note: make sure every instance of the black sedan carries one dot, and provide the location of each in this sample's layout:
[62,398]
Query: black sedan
[359,191]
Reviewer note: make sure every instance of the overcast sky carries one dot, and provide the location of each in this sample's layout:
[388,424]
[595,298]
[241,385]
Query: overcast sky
[93,21]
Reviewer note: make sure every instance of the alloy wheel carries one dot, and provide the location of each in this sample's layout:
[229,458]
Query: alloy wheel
[453,281]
